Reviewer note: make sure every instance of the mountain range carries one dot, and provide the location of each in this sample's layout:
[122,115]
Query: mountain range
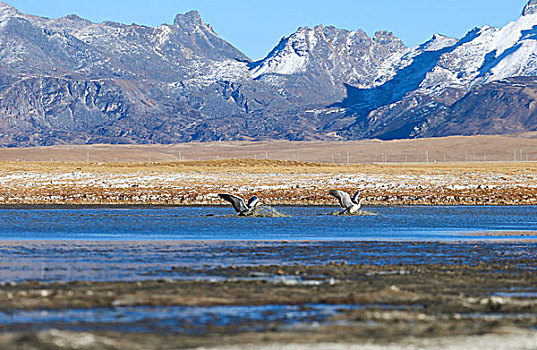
[71,81]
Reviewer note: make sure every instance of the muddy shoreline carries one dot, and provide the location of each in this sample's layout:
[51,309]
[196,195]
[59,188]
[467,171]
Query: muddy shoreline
[403,303]
[428,302]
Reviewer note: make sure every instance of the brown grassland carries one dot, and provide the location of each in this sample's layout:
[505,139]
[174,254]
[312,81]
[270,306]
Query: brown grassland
[447,149]
[478,170]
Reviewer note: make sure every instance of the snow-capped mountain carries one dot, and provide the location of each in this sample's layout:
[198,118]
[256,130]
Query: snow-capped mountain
[40,45]
[69,80]
[421,97]
[340,54]
[490,54]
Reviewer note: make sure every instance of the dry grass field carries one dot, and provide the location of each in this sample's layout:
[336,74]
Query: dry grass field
[482,170]
[448,149]
[277,182]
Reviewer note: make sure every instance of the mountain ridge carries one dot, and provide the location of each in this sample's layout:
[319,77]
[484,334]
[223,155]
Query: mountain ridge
[69,80]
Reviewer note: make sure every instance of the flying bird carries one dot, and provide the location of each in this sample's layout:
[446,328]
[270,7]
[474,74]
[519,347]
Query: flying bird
[351,205]
[241,207]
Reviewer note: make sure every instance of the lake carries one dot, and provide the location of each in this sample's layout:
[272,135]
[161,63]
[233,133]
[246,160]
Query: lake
[209,245]
[143,244]
[304,223]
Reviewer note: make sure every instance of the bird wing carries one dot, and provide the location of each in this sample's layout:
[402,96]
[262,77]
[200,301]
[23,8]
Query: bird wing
[356,196]
[253,202]
[237,202]
[343,197]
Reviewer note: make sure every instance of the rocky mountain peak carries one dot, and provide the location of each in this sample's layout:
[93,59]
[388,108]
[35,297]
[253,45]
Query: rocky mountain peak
[384,34]
[4,5]
[75,18]
[7,11]
[190,20]
[384,37]
[530,8]
[438,42]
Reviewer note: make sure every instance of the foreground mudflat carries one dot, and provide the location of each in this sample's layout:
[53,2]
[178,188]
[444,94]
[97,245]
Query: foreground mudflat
[459,296]
[277,182]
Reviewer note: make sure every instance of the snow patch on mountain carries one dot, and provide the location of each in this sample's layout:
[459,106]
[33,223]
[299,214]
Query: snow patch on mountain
[290,56]
[437,42]
[204,74]
[488,54]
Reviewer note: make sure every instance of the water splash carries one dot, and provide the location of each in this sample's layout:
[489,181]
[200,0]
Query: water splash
[266,211]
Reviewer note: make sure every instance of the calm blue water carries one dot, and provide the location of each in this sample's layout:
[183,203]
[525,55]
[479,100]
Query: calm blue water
[304,223]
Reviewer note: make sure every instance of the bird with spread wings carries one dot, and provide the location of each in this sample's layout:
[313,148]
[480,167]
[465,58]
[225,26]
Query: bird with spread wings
[241,207]
[350,205]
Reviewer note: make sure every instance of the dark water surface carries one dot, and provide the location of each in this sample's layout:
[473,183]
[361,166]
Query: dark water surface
[304,223]
[68,261]
[143,244]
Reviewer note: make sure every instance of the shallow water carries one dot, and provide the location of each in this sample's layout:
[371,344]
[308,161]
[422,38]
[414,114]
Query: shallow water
[524,295]
[177,319]
[67,261]
[303,223]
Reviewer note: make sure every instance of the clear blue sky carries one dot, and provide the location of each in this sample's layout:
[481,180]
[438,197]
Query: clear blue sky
[255,27]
